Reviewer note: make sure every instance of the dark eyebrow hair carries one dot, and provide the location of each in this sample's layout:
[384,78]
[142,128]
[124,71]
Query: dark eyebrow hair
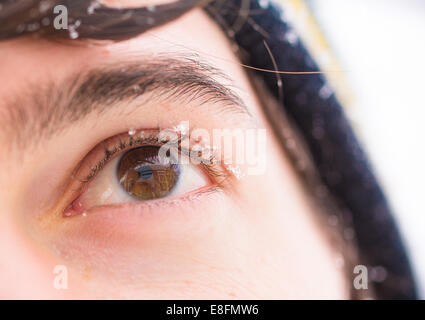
[45,109]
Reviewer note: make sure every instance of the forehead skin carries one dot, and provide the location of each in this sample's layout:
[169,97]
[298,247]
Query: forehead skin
[288,242]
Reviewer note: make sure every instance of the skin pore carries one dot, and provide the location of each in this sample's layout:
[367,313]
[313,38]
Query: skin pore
[258,238]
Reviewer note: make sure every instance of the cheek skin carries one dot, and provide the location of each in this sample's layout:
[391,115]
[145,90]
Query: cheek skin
[290,241]
[155,254]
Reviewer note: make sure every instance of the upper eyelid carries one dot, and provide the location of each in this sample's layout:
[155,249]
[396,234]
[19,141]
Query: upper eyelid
[102,153]
[118,144]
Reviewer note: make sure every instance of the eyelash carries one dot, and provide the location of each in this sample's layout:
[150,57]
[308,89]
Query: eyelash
[125,142]
[122,146]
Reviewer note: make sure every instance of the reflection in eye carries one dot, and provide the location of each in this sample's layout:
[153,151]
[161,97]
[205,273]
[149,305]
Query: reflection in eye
[127,168]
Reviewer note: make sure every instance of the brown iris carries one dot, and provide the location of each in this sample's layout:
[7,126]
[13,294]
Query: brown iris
[142,175]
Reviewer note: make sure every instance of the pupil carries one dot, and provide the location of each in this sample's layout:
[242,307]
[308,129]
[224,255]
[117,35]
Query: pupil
[141,174]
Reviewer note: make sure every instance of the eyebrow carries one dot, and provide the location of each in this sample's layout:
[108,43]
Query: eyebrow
[43,110]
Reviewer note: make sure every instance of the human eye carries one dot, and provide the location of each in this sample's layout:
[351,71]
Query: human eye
[142,168]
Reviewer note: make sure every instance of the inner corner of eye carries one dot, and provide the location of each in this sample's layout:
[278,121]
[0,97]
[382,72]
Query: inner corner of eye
[140,174]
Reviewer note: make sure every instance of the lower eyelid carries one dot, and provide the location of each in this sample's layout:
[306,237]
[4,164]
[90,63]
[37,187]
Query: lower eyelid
[134,234]
[151,207]
[139,218]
